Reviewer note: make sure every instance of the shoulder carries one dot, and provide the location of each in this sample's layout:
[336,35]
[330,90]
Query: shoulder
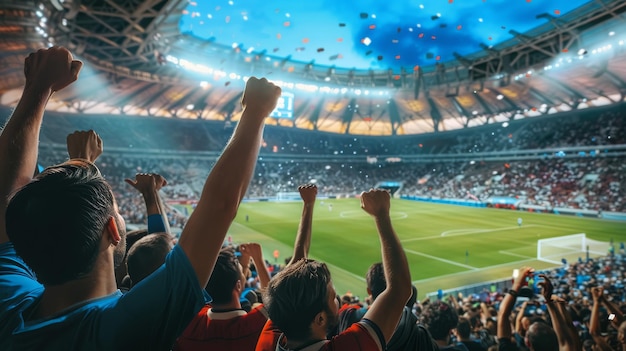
[268,338]
[359,336]
[18,290]
[259,314]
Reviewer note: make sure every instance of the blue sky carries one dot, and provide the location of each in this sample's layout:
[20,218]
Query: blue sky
[334,32]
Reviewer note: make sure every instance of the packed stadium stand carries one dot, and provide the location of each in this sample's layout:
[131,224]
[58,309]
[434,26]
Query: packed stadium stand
[516,106]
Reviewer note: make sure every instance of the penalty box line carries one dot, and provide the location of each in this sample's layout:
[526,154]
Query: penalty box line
[462,232]
[441,259]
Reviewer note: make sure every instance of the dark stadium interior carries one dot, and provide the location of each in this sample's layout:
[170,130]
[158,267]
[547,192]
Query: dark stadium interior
[514,105]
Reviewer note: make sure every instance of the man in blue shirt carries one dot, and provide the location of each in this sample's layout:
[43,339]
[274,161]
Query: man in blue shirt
[65,226]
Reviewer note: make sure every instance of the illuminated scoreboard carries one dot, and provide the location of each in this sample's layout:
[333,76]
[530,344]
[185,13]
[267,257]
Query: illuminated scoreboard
[284,108]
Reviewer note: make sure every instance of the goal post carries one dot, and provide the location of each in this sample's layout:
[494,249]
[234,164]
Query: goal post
[570,247]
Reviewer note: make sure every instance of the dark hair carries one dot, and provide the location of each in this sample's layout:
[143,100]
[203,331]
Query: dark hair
[375,278]
[440,318]
[56,221]
[296,295]
[133,236]
[464,328]
[542,337]
[224,277]
[147,255]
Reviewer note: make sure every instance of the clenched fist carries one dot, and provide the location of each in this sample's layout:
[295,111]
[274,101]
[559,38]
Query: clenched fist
[84,144]
[53,69]
[376,202]
[260,96]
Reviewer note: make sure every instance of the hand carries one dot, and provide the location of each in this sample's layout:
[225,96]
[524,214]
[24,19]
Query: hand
[520,281]
[597,292]
[261,96]
[84,144]
[308,193]
[147,182]
[376,202]
[251,249]
[52,69]
[546,287]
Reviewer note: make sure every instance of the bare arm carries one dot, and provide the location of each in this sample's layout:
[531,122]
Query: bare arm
[594,320]
[564,329]
[386,310]
[46,71]
[256,253]
[614,309]
[519,328]
[504,313]
[149,184]
[228,181]
[303,239]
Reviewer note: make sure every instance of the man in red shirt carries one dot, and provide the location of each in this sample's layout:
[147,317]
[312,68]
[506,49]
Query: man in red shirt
[301,300]
[224,325]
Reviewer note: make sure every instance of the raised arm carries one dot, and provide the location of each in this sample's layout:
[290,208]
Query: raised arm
[46,71]
[228,181]
[256,253]
[84,144]
[386,310]
[594,320]
[614,309]
[303,239]
[564,329]
[149,184]
[504,313]
[519,328]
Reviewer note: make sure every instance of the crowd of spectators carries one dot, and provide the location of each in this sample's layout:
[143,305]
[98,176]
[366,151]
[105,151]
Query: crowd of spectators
[596,184]
[63,240]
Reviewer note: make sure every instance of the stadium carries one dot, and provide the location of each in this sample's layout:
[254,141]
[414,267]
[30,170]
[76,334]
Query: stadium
[499,128]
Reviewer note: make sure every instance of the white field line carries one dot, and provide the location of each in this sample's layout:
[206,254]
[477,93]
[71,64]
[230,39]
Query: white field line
[441,259]
[361,278]
[475,231]
[476,270]
[461,232]
[359,214]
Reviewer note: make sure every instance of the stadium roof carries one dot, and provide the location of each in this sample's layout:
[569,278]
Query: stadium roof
[141,59]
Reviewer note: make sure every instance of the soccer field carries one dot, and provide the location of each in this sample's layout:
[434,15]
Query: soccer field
[447,246]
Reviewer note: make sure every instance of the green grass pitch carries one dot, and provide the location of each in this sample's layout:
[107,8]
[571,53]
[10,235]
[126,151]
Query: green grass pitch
[435,239]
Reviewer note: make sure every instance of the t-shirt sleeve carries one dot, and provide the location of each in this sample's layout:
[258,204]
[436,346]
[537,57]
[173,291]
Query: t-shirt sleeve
[156,223]
[156,311]
[17,282]
[268,338]
[15,276]
[359,336]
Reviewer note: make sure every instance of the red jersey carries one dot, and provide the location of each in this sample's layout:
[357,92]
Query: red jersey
[233,330]
[360,336]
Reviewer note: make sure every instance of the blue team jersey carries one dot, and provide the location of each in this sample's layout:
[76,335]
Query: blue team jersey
[149,317]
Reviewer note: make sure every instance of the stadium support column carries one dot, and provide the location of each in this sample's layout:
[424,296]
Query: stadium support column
[434,113]
[394,116]
[348,114]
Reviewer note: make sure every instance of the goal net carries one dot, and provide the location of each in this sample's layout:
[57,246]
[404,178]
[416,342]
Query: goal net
[570,247]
